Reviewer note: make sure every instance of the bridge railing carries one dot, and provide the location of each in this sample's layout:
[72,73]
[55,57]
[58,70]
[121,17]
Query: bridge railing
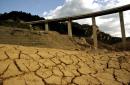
[92,15]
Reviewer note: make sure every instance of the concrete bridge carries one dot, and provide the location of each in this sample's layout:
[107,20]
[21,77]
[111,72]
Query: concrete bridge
[93,15]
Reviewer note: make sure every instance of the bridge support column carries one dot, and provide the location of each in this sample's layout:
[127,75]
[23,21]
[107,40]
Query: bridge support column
[94,33]
[122,29]
[46,27]
[70,28]
[30,27]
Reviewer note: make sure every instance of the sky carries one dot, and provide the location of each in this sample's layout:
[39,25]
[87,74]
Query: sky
[35,7]
[60,8]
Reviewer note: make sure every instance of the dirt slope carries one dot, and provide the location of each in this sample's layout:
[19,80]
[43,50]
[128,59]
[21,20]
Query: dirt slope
[51,39]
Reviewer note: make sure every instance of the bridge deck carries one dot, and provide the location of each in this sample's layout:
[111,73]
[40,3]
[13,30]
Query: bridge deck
[93,14]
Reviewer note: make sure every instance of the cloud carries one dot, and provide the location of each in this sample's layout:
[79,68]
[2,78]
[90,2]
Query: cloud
[72,7]
[108,23]
[45,13]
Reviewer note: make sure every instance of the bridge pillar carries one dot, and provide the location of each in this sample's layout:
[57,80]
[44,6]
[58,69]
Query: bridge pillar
[122,30]
[94,33]
[30,27]
[70,28]
[46,27]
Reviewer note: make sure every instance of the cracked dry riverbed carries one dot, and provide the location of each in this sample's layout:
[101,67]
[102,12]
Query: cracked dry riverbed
[21,65]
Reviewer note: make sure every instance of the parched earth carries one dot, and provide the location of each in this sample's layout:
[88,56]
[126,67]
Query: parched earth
[21,65]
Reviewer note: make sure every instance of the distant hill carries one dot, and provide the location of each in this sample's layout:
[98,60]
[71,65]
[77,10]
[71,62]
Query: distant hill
[14,19]
[19,16]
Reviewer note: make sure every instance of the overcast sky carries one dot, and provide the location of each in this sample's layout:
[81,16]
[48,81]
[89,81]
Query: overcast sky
[61,8]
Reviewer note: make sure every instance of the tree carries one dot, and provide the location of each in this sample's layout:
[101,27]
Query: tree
[19,15]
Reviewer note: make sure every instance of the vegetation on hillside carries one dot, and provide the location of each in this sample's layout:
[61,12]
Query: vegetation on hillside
[19,16]
[15,19]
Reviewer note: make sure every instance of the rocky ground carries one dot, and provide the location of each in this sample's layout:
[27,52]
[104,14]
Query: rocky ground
[21,65]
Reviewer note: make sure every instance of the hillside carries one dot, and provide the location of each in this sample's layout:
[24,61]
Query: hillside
[51,39]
